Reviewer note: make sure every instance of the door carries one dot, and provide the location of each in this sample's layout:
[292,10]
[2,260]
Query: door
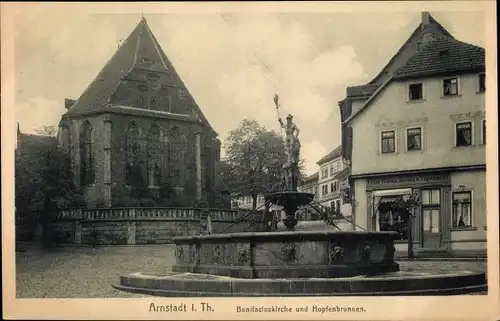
[431,219]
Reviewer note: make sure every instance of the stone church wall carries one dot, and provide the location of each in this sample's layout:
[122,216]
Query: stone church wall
[109,150]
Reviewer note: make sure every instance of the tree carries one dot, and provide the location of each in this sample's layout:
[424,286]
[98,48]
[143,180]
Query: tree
[253,161]
[406,206]
[44,179]
[47,131]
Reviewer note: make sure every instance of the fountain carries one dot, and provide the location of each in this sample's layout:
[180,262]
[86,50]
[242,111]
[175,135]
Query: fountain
[294,263]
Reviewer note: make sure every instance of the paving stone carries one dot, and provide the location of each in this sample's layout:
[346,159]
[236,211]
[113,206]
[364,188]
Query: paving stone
[83,272]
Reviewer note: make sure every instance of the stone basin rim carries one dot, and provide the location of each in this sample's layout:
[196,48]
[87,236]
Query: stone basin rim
[291,235]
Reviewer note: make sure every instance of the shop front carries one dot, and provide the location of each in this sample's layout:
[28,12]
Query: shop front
[430,220]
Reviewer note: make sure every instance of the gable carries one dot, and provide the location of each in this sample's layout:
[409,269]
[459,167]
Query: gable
[408,49]
[139,75]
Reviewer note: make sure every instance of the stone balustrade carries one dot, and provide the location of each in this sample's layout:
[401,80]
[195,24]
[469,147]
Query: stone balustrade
[134,225]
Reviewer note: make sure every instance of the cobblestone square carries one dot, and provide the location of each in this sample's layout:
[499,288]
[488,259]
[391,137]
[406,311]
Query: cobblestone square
[83,272]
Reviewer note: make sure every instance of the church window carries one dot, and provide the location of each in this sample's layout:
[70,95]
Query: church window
[154,154]
[143,102]
[165,101]
[87,154]
[133,175]
[176,155]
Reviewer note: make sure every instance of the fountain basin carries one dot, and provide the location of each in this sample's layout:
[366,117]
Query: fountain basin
[391,284]
[307,254]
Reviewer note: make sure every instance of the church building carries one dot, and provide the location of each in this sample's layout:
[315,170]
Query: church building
[136,130]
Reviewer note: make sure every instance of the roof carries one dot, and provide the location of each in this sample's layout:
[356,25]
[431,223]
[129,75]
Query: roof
[38,141]
[138,53]
[361,90]
[386,72]
[443,55]
[430,61]
[416,34]
[310,178]
[336,153]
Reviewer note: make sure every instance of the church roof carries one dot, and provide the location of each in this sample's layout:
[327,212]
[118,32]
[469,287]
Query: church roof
[443,55]
[140,50]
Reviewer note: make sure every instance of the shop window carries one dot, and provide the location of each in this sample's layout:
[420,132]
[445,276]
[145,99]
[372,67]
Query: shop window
[391,218]
[462,209]
[450,87]
[388,141]
[414,139]
[463,132]
[431,210]
[337,205]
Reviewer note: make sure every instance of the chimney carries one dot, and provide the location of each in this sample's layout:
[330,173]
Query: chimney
[427,29]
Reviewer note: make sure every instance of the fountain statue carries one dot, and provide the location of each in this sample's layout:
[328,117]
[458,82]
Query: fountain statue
[294,263]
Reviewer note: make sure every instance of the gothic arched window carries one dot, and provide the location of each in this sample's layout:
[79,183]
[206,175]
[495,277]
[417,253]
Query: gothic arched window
[133,175]
[154,156]
[87,154]
[176,156]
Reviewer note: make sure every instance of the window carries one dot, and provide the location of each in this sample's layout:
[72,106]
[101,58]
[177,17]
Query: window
[463,134]
[462,209]
[143,102]
[388,141]
[484,131]
[324,189]
[431,208]
[337,205]
[339,166]
[133,174]
[482,82]
[414,139]
[324,172]
[389,217]
[332,171]
[450,86]
[415,91]
[165,101]
[154,154]
[87,154]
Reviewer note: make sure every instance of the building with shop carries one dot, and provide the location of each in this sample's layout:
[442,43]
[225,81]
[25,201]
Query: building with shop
[137,133]
[422,131]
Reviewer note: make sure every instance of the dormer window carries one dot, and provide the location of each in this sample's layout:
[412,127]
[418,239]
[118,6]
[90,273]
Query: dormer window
[147,61]
[416,91]
[450,86]
[444,53]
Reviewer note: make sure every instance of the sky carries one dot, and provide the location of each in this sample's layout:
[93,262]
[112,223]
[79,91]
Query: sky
[232,63]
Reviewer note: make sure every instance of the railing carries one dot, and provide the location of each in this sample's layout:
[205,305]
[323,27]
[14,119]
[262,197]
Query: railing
[132,213]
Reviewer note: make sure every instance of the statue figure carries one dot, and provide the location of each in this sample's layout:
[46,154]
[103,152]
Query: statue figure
[292,143]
